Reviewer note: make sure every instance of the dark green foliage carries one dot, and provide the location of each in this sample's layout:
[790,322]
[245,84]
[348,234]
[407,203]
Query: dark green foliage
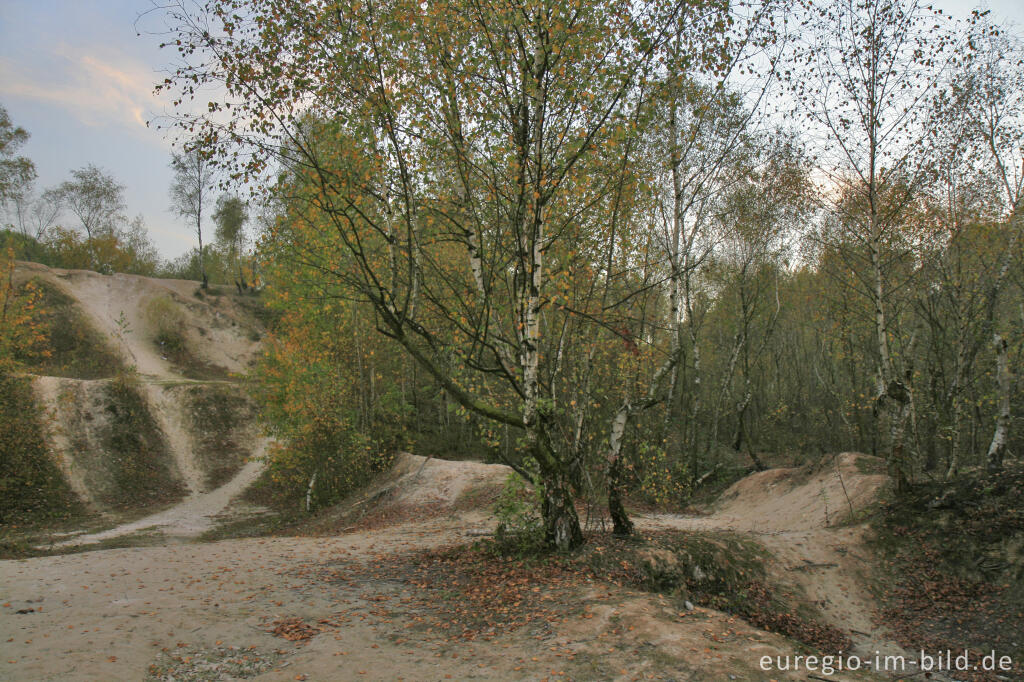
[133,467]
[32,488]
[76,350]
[341,459]
[220,417]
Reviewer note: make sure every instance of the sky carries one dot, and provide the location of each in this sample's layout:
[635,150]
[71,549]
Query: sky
[78,78]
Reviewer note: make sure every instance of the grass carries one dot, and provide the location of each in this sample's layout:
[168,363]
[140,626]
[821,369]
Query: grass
[76,349]
[32,487]
[220,416]
[120,447]
[169,329]
[723,571]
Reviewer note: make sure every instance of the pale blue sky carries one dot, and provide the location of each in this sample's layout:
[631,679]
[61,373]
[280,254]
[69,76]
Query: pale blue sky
[78,78]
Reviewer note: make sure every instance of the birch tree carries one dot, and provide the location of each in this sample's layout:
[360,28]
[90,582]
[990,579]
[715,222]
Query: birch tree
[458,159]
[190,193]
[872,67]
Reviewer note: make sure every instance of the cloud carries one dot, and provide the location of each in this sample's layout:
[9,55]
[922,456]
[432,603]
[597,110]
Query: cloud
[98,86]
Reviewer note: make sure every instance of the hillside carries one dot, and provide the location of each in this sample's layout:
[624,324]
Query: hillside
[141,405]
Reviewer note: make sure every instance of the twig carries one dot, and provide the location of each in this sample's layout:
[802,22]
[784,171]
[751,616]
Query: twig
[835,465]
[420,471]
[705,476]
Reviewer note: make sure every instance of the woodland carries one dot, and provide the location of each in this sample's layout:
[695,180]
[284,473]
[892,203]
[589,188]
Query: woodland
[628,249]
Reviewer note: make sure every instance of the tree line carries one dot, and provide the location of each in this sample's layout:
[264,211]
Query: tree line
[82,222]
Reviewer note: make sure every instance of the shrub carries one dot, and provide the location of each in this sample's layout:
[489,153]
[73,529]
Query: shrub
[32,488]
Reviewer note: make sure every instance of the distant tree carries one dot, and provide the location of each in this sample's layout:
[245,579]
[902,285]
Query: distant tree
[96,199]
[231,214]
[872,66]
[190,190]
[16,172]
[135,242]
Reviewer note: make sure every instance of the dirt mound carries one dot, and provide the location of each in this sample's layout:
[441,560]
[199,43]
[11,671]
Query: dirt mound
[108,444]
[422,480]
[832,492]
[415,489]
[154,326]
[806,518]
[160,418]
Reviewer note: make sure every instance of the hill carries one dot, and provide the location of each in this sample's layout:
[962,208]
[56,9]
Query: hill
[138,403]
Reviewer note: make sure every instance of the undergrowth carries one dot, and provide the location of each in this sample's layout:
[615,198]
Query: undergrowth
[32,488]
[954,554]
[168,329]
[220,416]
[75,349]
[127,463]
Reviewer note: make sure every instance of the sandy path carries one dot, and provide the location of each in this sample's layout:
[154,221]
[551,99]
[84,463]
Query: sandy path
[118,307]
[110,615]
[48,392]
[796,521]
[106,615]
[167,412]
[190,518]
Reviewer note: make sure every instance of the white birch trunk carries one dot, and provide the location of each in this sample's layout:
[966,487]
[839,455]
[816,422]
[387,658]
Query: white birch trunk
[997,449]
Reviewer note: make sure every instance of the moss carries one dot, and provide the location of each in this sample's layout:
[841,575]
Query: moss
[720,570]
[168,326]
[128,465]
[220,416]
[32,488]
[76,349]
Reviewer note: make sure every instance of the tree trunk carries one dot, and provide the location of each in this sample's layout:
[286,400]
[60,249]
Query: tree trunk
[997,449]
[561,523]
[202,261]
[621,525]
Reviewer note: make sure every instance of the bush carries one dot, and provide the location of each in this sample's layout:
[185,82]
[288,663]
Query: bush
[32,487]
[134,456]
[520,524]
[74,348]
[339,457]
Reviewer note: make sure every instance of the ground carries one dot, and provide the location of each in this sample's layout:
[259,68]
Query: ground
[366,593]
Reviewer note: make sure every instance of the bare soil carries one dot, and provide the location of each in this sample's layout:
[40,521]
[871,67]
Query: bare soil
[343,607]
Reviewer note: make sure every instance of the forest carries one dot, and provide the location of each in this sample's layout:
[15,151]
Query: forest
[628,249]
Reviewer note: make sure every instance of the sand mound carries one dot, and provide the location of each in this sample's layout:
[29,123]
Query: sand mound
[803,499]
[424,481]
[180,428]
[131,311]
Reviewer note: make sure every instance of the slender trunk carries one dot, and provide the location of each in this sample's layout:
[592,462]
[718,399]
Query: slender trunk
[621,525]
[997,449]
[561,522]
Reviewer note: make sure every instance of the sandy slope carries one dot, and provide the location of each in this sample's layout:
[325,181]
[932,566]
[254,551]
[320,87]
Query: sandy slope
[118,307]
[799,518]
[121,308]
[112,614]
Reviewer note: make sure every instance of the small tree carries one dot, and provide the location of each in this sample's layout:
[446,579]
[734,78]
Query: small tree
[193,181]
[231,214]
[16,172]
[96,199]
[872,66]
